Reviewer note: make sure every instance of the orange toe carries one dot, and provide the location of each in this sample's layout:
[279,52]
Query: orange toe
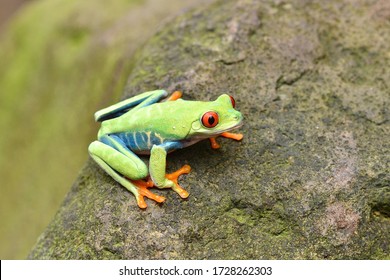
[174,177]
[180,191]
[175,96]
[234,136]
[143,186]
[143,191]
[214,143]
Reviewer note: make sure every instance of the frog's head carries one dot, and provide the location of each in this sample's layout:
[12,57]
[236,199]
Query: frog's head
[215,118]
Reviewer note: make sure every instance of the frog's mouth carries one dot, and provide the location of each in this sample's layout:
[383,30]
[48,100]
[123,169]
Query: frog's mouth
[204,134]
[238,125]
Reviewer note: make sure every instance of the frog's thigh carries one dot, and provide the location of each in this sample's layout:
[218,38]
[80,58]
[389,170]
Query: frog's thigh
[129,165]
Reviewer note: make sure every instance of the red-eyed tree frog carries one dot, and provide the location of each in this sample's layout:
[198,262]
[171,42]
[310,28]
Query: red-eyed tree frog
[150,123]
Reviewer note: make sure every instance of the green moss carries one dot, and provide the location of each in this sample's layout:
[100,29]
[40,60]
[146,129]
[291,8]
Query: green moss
[241,216]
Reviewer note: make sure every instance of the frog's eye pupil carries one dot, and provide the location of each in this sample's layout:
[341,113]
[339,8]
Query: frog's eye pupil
[232,101]
[210,119]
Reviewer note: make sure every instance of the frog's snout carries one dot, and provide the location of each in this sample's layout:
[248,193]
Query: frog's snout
[238,117]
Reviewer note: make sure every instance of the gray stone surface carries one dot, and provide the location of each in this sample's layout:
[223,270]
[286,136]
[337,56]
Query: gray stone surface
[310,180]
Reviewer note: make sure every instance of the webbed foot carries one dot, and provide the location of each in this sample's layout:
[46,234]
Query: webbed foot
[174,177]
[234,136]
[142,187]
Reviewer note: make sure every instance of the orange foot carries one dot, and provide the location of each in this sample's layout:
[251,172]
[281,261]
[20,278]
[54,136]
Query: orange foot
[174,176]
[174,96]
[234,136]
[143,186]
[143,191]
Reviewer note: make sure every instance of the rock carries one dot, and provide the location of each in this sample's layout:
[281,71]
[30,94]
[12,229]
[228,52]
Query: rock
[311,178]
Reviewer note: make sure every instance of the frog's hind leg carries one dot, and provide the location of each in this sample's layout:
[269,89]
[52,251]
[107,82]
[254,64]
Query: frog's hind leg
[138,101]
[126,170]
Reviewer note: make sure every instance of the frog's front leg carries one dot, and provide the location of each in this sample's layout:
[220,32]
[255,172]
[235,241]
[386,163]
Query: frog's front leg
[124,167]
[234,136]
[157,169]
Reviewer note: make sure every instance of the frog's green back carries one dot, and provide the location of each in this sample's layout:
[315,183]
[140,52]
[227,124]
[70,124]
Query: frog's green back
[171,119]
[175,120]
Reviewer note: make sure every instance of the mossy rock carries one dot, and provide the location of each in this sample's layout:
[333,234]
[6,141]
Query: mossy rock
[310,180]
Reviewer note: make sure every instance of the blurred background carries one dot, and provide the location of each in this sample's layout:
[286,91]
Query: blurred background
[8,8]
[60,61]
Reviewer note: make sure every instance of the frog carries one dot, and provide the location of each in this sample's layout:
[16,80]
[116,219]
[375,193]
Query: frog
[154,124]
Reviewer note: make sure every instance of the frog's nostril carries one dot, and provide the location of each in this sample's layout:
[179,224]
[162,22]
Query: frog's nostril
[237,117]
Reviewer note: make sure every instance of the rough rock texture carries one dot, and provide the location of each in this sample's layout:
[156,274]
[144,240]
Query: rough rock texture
[310,180]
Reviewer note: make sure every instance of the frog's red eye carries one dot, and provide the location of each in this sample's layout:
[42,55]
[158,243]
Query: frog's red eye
[233,101]
[210,119]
